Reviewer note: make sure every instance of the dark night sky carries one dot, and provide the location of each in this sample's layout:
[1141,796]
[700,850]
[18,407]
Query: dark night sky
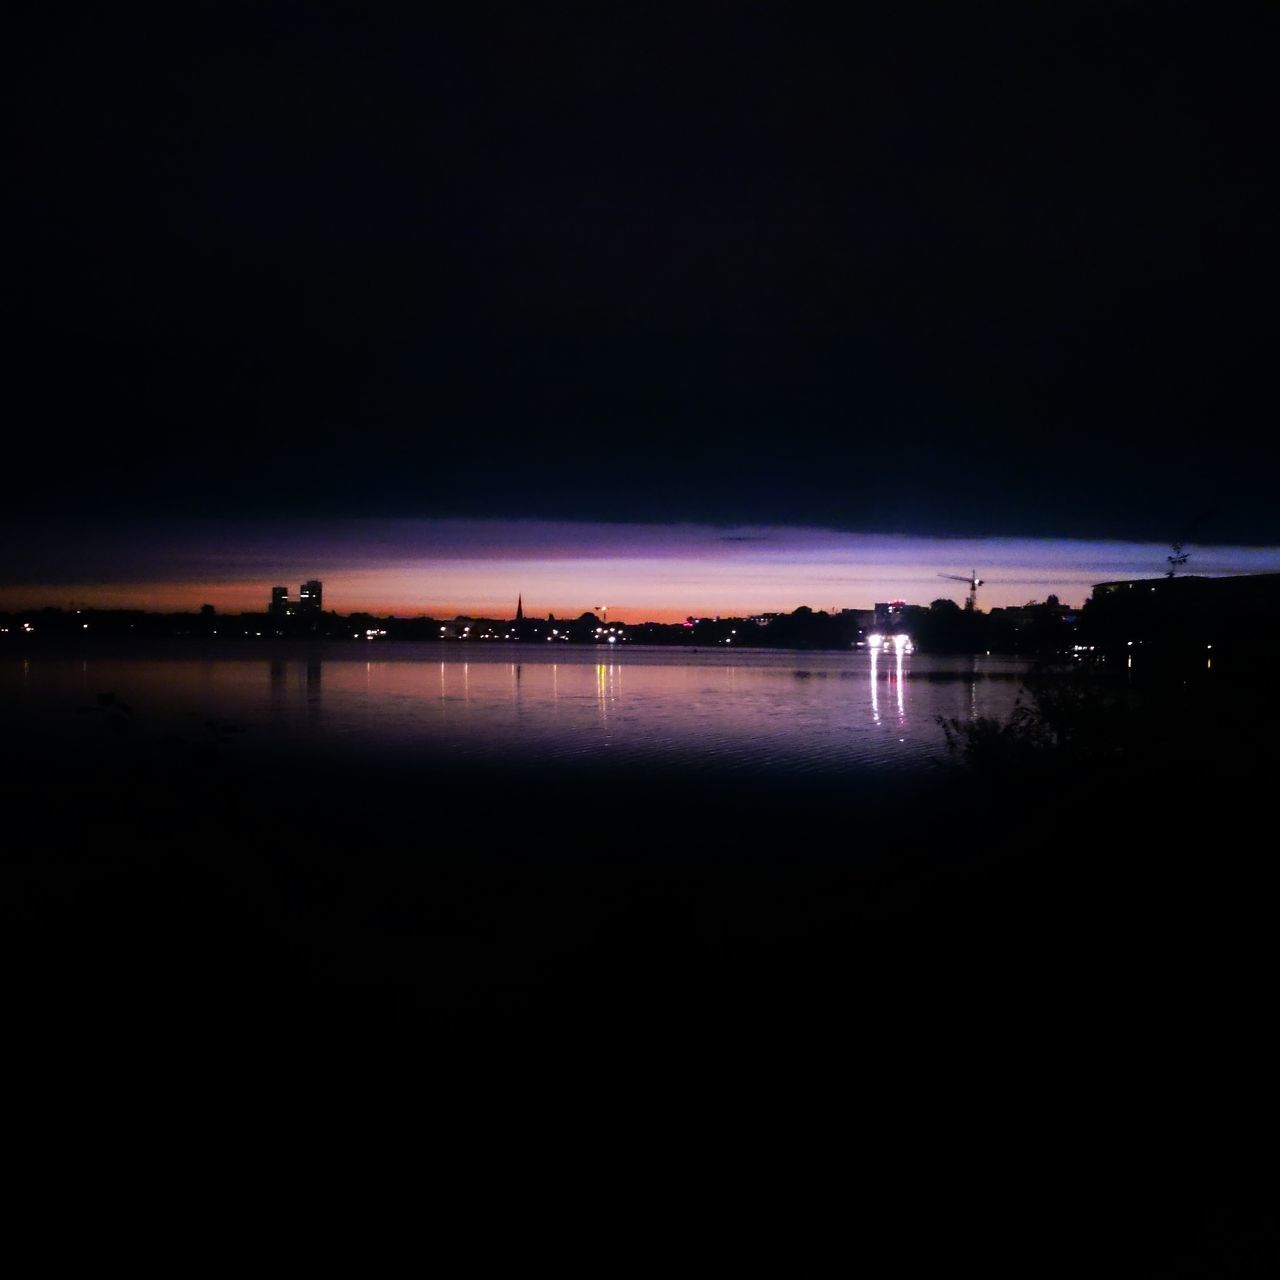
[997,269]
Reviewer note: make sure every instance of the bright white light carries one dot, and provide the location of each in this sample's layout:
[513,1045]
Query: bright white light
[875,641]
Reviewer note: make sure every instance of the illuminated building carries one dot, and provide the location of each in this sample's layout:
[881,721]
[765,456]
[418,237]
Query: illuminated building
[309,596]
[886,614]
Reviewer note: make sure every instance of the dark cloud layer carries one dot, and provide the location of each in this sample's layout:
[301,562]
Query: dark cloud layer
[1000,269]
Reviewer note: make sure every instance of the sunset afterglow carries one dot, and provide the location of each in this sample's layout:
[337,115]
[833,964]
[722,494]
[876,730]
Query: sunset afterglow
[645,572]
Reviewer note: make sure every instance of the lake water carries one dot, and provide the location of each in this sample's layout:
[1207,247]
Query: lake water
[784,713]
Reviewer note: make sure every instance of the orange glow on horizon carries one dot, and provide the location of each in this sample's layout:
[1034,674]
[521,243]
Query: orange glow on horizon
[235,598]
[446,569]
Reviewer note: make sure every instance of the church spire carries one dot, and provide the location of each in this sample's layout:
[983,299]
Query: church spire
[520,609]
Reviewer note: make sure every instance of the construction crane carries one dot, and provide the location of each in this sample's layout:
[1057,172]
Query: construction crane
[974,583]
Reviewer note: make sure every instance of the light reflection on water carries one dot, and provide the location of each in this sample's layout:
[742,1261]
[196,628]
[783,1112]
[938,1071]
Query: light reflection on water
[768,710]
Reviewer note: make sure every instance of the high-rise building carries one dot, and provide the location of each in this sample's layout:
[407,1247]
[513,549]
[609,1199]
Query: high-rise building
[279,601]
[309,596]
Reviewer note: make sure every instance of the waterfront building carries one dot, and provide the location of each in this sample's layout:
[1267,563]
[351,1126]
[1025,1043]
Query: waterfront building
[310,596]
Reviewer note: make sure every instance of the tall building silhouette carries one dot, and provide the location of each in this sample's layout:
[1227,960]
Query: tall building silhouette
[279,602]
[520,608]
[309,596]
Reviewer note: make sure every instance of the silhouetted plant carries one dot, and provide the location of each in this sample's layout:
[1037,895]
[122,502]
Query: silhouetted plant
[1060,719]
[112,713]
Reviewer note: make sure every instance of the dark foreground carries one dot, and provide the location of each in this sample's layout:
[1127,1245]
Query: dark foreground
[1060,964]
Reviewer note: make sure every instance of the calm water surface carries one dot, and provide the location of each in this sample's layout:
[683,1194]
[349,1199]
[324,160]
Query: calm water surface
[661,707]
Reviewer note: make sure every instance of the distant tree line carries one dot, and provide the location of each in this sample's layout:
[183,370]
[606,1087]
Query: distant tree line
[943,627]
